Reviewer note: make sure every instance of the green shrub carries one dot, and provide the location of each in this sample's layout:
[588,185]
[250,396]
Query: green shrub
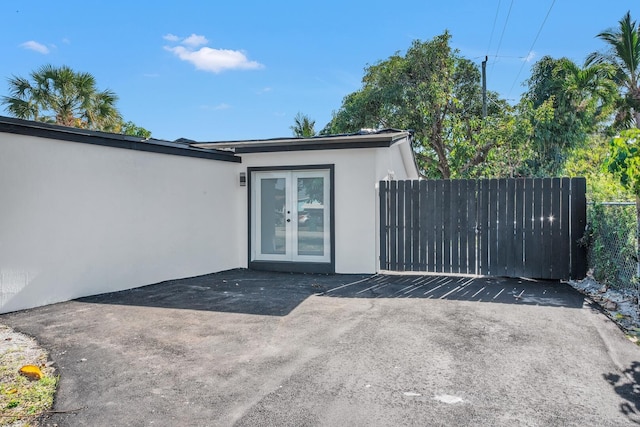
[610,239]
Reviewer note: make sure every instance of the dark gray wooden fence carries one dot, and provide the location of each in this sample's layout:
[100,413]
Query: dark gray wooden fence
[524,227]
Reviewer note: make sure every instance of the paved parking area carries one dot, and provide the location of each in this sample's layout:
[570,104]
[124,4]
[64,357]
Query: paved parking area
[248,348]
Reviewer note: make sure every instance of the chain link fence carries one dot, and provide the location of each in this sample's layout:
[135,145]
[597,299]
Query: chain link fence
[611,242]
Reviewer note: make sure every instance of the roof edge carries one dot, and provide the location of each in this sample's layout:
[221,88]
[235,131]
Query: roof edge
[362,139]
[65,133]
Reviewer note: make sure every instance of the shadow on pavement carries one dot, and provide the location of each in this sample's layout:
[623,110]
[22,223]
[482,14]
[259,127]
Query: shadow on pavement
[232,291]
[627,386]
[480,289]
[277,294]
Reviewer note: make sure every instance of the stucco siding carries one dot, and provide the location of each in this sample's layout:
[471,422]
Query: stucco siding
[78,219]
[355,200]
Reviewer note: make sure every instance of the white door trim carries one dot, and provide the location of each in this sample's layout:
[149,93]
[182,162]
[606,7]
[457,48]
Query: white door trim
[292,214]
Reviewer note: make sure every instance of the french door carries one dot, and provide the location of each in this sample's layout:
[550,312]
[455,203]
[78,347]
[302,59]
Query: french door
[290,216]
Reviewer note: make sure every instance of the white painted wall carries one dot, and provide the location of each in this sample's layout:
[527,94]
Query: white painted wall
[79,219]
[397,162]
[357,172]
[354,200]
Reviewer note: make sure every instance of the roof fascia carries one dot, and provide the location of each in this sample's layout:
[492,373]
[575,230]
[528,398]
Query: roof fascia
[45,130]
[302,144]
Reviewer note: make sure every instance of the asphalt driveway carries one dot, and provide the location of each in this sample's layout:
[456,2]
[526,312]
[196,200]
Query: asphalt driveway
[246,348]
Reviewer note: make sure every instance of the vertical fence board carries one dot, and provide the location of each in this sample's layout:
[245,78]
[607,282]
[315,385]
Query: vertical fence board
[408,223]
[462,234]
[415,226]
[546,242]
[408,242]
[502,229]
[483,227]
[384,210]
[454,191]
[423,225]
[431,225]
[518,234]
[533,243]
[578,224]
[565,230]
[454,217]
[393,226]
[509,231]
[514,227]
[472,226]
[438,219]
[492,225]
[553,221]
[400,225]
[529,224]
[446,228]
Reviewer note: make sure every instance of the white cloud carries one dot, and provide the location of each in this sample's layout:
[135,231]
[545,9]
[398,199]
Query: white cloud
[215,60]
[66,41]
[171,37]
[264,90]
[529,57]
[195,40]
[34,45]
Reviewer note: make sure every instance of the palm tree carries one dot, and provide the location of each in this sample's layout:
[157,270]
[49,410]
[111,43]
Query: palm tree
[590,89]
[64,97]
[624,55]
[303,126]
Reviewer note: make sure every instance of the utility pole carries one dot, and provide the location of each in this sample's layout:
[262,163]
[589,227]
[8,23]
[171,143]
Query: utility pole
[484,87]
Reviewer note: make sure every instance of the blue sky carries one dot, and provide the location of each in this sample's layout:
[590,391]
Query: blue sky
[231,70]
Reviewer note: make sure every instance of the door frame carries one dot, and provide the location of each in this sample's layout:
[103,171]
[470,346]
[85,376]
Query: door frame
[292,266]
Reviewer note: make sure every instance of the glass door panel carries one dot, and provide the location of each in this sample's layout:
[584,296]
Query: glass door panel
[270,229]
[311,209]
[290,216]
[272,213]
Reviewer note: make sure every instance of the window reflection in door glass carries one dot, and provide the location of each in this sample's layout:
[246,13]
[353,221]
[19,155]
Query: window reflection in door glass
[272,216]
[310,205]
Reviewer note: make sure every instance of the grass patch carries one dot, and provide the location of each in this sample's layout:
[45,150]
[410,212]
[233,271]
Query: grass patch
[23,400]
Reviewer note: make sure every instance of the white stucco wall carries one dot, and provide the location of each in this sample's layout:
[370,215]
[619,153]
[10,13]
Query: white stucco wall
[354,200]
[79,219]
[398,161]
[357,172]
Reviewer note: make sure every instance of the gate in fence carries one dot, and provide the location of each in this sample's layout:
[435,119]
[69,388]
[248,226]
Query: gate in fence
[523,227]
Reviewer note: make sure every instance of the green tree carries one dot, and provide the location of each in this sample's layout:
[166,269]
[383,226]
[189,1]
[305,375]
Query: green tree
[303,126]
[586,160]
[436,93]
[565,104]
[624,163]
[62,96]
[130,128]
[510,132]
[623,54]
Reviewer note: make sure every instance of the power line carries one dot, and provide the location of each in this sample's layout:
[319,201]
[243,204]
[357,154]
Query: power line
[531,48]
[495,18]
[502,34]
